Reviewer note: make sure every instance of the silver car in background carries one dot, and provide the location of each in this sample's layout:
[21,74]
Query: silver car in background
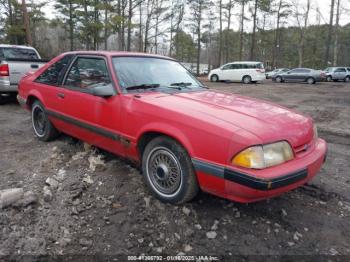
[306,75]
[271,74]
[337,74]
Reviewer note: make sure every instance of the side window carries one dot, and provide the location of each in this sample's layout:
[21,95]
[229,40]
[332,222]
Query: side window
[341,70]
[54,74]
[227,67]
[87,72]
[1,55]
[236,66]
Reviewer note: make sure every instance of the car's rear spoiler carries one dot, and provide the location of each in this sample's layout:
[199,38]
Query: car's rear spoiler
[25,60]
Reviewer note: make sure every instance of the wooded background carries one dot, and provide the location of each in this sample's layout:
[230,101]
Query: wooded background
[279,33]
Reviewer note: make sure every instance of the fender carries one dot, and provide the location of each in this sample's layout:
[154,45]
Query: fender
[170,131]
[37,94]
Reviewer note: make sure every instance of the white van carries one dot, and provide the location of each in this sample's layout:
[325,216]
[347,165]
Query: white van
[246,72]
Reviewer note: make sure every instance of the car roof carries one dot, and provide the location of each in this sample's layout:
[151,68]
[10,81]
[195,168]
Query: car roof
[245,62]
[117,53]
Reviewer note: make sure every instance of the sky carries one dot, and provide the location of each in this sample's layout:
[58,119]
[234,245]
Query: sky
[322,16]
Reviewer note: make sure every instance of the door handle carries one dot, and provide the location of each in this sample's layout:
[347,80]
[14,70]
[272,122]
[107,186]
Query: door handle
[34,66]
[60,95]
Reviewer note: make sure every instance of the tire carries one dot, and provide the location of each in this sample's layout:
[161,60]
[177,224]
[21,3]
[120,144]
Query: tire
[246,79]
[329,79]
[310,81]
[279,79]
[42,127]
[161,154]
[347,79]
[214,78]
[2,99]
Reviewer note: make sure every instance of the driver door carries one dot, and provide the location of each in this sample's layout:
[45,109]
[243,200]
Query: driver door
[91,118]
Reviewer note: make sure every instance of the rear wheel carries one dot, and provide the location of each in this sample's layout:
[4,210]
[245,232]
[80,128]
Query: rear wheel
[247,79]
[310,81]
[347,79]
[214,78]
[168,171]
[42,126]
[279,79]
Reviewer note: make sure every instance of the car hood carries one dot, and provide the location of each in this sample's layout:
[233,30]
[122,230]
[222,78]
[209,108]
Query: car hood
[267,121]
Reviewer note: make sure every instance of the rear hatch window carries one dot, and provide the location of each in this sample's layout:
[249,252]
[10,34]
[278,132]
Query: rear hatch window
[17,53]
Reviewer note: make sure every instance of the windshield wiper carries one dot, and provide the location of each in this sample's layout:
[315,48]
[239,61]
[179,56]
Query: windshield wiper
[143,86]
[181,84]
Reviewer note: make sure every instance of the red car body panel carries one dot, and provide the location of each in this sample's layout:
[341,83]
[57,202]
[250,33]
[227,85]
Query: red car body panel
[212,126]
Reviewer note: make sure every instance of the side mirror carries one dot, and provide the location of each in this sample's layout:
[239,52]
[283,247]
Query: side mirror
[103,90]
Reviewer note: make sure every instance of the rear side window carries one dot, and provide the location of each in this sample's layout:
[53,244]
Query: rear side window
[341,70]
[253,66]
[18,53]
[87,72]
[54,74]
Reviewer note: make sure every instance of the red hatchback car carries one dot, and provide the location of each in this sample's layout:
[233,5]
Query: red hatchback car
[150,109]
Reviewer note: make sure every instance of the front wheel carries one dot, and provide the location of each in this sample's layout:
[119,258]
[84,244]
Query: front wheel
[42,126]
[214,78]
[168,171]
[329,79]
[279,79]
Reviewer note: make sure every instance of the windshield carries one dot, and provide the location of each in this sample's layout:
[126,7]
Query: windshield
[152,72]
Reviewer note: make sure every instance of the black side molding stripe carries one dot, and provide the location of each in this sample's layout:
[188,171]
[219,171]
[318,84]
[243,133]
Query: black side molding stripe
[97,130]
[208,168]
[248,180]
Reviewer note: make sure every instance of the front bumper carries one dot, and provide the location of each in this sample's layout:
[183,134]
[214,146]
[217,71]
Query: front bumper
[243,185]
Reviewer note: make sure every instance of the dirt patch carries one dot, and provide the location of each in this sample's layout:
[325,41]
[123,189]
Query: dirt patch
[91,202]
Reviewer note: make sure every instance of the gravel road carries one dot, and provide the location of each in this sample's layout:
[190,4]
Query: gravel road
[97,204]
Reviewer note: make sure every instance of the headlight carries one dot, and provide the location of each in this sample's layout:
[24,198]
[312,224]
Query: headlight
[259,157]
[315,132]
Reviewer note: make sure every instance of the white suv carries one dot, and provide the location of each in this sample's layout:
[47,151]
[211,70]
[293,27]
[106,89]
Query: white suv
[246,72]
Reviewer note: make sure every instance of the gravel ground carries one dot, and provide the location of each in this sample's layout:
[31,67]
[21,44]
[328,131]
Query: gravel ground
[97,204]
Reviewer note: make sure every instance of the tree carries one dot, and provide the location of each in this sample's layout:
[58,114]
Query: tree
[66,10]
[184,46]
[197,9]
[176,18]
[252,49]
[336,33]
[242,19]
[282,12]
[228,14]
[301,14]
[220,31]
[330,33]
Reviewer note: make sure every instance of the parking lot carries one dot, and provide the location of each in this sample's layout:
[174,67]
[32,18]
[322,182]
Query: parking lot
[101,205]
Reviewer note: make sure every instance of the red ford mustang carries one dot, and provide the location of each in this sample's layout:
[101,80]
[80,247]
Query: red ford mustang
[150,109]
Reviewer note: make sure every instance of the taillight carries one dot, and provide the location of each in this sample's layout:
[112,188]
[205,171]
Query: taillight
[4,70]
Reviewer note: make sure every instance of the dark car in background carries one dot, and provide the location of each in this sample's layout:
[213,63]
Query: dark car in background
[306,75]
[275,72]
[337,74]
